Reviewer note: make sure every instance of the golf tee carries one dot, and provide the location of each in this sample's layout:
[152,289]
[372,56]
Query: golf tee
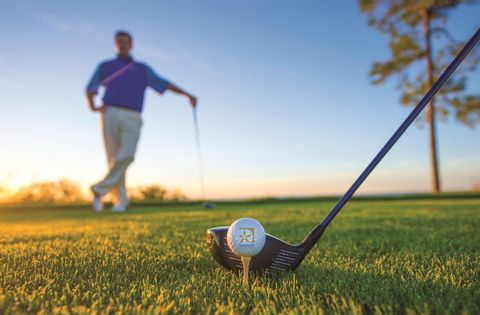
[246,267]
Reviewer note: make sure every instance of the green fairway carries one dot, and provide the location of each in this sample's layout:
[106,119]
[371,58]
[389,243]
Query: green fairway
[400,256]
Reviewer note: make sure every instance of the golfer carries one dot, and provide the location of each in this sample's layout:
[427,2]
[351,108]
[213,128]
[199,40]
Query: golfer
[125,81]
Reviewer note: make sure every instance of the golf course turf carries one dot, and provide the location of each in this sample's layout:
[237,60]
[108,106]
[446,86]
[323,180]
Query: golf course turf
[412,255]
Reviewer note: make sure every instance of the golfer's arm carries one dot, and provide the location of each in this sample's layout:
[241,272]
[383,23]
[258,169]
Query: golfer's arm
[90,95]
[92,88]
[173,88]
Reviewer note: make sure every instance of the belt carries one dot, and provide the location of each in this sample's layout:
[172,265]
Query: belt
[123,107]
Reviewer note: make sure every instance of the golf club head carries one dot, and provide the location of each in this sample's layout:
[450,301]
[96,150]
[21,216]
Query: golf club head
[208,205]
[276,255]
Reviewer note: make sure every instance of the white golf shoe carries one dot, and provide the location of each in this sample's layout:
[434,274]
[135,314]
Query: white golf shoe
[97,203]
[120,207]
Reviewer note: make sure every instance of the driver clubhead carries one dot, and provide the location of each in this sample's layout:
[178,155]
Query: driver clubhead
[208,205]
[276,255]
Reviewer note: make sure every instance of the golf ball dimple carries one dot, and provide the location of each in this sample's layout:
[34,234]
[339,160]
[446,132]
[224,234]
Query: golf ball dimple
[246,237]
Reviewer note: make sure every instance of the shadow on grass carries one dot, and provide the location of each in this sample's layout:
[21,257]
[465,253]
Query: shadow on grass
[396,292]
[80,212]
[340,291]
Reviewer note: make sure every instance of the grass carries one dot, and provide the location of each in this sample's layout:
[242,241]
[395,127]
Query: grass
[378,256]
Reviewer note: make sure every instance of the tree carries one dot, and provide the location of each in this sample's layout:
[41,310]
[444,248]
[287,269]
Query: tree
[412,27]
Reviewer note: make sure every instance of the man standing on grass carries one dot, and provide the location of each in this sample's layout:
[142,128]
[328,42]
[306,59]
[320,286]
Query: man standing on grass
[125,81]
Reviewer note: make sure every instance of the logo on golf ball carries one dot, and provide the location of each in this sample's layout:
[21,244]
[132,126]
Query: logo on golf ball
[246,237]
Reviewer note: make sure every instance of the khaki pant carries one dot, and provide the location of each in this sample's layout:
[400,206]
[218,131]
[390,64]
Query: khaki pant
[121,131]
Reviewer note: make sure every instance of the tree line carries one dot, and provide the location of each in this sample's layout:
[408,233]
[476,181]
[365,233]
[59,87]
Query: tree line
[67,191]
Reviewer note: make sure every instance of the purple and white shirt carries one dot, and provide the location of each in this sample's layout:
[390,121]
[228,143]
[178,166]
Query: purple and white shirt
[125,81]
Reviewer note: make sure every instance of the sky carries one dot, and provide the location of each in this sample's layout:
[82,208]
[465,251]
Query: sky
[286,107]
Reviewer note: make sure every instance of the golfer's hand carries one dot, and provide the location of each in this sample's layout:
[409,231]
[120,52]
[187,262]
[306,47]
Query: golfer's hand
[193,100]
[100,109]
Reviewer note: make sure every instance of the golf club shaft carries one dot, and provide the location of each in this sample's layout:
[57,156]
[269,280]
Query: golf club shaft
[199,152]
[315,233]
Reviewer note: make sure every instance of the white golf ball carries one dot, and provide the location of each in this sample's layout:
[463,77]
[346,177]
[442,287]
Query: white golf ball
[246,237]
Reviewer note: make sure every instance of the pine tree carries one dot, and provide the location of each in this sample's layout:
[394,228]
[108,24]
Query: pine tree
[412,27]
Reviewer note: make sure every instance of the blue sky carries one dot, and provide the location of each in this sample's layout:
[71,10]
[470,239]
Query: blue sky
[285,103]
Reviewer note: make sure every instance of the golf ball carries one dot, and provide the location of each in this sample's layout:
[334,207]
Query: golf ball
[246,237]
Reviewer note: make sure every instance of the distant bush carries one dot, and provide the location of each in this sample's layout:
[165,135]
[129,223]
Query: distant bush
[176,195]
[61,191]
[155,192]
